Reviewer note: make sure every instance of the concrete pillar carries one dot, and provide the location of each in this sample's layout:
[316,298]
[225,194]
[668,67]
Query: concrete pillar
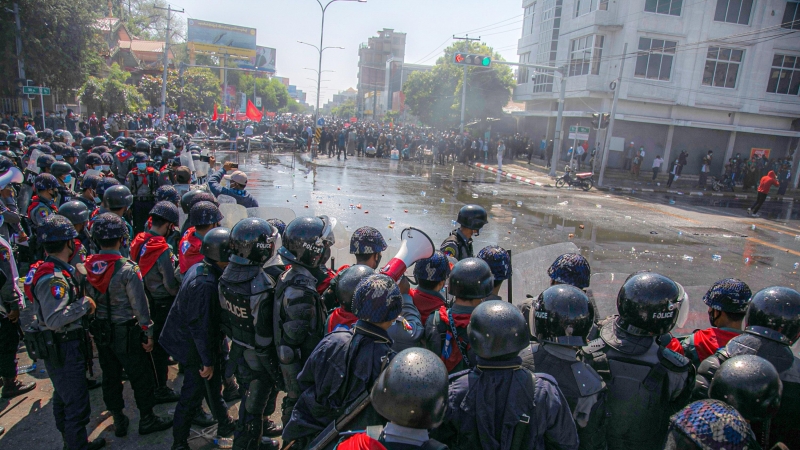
[796,164]
[668,149]
[729,150]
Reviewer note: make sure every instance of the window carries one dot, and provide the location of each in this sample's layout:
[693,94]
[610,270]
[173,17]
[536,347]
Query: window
[522,73]
[530,15]
[791,16]
[722,67]
[734,11]
[671,7]
[547,48]
[584,55]
[785,75]
[586,6]
[654,60]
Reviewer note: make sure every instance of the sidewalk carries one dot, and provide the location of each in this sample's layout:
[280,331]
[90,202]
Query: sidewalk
[618,180]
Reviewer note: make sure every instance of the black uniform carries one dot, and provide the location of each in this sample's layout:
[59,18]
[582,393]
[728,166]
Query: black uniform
[457,246]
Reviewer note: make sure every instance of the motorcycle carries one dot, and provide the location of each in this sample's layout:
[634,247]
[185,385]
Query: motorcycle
[720,184]
[583,180]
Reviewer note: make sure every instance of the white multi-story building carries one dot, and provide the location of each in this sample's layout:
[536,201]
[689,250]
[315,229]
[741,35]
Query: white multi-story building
[699,75]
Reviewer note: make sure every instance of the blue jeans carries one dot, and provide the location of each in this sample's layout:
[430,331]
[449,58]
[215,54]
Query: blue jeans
[71,406]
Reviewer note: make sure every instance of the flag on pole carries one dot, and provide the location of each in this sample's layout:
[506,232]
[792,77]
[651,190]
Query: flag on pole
[215,116]
[252,112]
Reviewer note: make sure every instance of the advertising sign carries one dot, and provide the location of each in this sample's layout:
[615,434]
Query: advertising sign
[264,60]
[222,38]
[258,102]
[230,96]
[242,102]
[759,152]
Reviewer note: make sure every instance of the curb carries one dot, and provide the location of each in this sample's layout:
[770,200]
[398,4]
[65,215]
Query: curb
[507,174]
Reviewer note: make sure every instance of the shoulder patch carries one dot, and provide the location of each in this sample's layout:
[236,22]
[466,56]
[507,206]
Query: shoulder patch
[138,272]
[185,246]
[450,250]
[58,288]
[4,255]
[676,360]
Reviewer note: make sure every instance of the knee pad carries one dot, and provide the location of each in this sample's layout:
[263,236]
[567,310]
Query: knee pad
[258,395]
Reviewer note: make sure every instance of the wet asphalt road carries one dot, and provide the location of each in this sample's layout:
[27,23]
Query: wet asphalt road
[618,233]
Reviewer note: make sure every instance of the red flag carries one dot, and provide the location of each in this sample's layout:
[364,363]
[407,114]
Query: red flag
[252,112]
[214,117]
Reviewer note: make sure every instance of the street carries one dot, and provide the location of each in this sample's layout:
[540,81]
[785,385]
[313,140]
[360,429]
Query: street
[695,241]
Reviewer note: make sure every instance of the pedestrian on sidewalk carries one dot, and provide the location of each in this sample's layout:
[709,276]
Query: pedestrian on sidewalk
[784,178]
[673,172]
[501,151]
[580,155]
[657,166]
[763,189]
[704,169]
[682,160]
[549,153]
[629,154]
[636,164]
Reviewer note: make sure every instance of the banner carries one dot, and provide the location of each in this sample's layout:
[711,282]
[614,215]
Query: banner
[242,102]
[264,60]
[252,112]
[215,116]
[759,152]
[221,38]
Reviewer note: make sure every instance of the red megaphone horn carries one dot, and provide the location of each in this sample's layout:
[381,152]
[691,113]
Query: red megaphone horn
[416,245]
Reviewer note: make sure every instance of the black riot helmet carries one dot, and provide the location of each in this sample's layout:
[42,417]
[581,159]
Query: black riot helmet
[750,384]
[473,217]
[77,212]
[471,279]
[117,197]
[412,390]
[774,313]
[348,282]
[186,200]
[305,240]
[252,242]
[497,330]
[97,141]
[143,146]
[217,244]
[87,143]
[59,168]
[648,304]
[563,315]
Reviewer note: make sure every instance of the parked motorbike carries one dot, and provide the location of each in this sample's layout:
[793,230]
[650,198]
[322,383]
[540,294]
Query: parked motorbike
[720,184]
[583,180]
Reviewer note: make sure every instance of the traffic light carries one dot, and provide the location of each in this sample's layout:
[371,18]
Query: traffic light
[600,121]
[604,119]
[468,59]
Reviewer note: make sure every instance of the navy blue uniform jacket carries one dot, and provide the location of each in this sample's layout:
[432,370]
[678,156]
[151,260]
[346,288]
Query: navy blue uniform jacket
[242,197]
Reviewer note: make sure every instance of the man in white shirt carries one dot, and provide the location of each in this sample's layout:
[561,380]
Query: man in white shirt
[657,166]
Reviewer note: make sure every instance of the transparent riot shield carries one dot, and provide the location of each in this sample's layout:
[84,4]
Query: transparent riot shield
[603,289]
[233,214]
[182,216]
[32,161]
[226,199]
[530,269]
[201,166]
[268,212]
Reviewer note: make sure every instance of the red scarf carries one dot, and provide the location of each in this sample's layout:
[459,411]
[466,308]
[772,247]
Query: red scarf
[675,346]
[455,357]
[189,250]
[144,175]
[426,303]
[341,317]
[326,283]
[146,249]
[360,441]
[37,270]
[708,341]
[97,270]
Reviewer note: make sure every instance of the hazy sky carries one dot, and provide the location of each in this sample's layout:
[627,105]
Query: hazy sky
[429,24]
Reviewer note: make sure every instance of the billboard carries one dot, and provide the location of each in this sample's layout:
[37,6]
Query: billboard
[264,60]
[221,38]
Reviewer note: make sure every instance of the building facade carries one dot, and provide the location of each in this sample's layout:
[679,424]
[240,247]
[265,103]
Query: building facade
[372,58]
[720,75]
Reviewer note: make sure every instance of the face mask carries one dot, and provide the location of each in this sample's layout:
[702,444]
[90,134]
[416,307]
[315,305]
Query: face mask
[105,168]
[97,200]
[141,166]
[67,179]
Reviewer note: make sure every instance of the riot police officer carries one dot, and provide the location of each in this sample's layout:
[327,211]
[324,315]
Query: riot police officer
[42,205]
[431,274]
[446,334]
[299,313]
[500,263]
[191,198]
[342,317]
[699,427]
[367,244]
[192,338]
[43,163]
[500,404]
[57,334]
[646,382]
[771,327]
[117,199]
[459,244]
[142,180]
[203,217]
[727,302]
[168,193]
[122,161]
[151,252]
[122,327]
[563,317]
[246,295]
[63,173]
[78,215]
[89,195]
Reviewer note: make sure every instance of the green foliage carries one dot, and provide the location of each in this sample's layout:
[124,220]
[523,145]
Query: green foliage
[435,96]
[346,110]
[59,43]
[144,20]
[110,94]
[199,93]
[273,93]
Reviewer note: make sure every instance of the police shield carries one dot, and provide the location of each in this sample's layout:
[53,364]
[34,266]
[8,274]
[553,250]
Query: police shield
[603,289]
[530,269]
[226,199]
[267,212]
[233,214]
[32,161]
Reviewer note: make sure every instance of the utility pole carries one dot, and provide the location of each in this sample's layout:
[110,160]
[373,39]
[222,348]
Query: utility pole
[169,11]
[20,60]
[559,122]
[610,131]
[464,80]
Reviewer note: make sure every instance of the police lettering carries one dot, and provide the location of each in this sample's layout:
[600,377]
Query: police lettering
[262,245]
[314,249]
[541,314]
[663,315]
[236,310]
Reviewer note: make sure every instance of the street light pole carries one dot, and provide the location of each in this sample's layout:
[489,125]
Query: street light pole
[610,130]
[166,59]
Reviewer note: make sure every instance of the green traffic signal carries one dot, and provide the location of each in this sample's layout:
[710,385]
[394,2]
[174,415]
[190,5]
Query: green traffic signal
[486,61]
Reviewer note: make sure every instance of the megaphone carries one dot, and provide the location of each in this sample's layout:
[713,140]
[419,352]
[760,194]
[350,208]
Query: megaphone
[415,245]
[12,175]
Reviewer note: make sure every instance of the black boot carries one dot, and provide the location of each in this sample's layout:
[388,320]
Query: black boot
[272,429]
[230,390]
[13,387]
[203,419]
[94,384]
[164,394]
[226,429]
[121,423]
[181,446]
[96,444]
[151,423]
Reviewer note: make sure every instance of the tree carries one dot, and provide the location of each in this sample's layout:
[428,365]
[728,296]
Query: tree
[346,110]
[435,96]
[110,94]
[59,43]
[199,92]
[273,93]
[145,20]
